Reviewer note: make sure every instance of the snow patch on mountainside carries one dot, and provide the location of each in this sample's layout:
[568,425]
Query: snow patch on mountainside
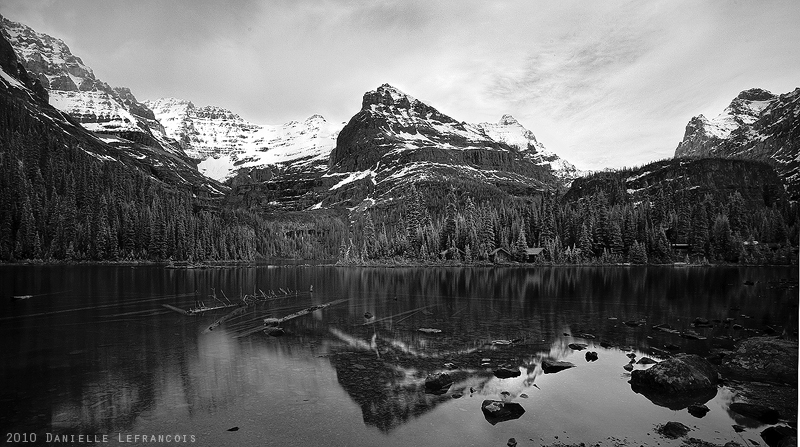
[10,80]
[733,118]
[96,111]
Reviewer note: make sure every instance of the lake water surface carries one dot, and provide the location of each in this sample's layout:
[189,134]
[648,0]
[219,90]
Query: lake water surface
[94,352]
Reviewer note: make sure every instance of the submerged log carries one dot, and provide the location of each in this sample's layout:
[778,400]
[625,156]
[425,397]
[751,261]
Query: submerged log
[216,324]
[176,309]
[306,311]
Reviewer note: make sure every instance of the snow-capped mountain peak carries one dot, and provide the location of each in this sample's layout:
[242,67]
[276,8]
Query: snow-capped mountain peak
[744,110]
[757,125]
[224,142]
[49,58]
[507,120]
[509,131]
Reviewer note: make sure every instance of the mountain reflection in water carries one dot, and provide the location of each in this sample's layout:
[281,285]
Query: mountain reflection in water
[103,356]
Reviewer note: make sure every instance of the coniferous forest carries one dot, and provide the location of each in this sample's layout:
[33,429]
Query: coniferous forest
[62,203]
[671,226]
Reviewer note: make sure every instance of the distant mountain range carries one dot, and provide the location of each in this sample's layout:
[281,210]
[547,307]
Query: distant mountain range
[395,138]
[225,145]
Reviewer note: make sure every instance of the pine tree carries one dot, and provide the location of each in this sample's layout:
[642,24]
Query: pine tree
[521,246]
[448,235]
[662,253]
[736,213]
[699,237]
[548,230]
[487,236]
[585,243]
[602,230]
[637,254]
[616,244]
[628,231]
[722,239]
[370,237]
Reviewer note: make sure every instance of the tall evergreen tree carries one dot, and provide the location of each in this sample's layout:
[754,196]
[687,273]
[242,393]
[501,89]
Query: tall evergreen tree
[521,246]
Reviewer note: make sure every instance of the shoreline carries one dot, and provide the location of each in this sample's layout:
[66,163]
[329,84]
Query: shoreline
[388,263]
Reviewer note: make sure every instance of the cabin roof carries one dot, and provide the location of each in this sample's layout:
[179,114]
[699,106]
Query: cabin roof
[497,250]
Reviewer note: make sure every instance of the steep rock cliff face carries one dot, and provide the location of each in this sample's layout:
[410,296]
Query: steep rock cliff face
[756,125]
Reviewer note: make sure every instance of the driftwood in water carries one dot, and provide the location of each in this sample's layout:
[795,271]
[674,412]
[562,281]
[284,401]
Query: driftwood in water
[202,309]
[198,310]
[306,311]
[25,297]
[176,309]
[216,324]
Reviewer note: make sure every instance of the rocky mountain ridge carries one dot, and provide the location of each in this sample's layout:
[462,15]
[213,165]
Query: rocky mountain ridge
[25,99]
[396,140]
[756,125]
[73,88]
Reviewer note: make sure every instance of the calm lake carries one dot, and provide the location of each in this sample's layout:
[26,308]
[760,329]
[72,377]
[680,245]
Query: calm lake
[93,352]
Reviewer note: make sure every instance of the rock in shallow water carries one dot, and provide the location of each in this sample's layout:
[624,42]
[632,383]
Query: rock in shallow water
[757,412]
[505,373]
[550,366]
[682,373]
[677,382]
[672,430]
[698,411]
[498,411]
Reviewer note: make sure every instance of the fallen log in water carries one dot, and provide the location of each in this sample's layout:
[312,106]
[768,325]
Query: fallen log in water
[306,311]
[216,324]
[176,309]
[203,309]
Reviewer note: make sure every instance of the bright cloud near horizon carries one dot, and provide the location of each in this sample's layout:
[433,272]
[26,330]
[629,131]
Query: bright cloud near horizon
[602,84]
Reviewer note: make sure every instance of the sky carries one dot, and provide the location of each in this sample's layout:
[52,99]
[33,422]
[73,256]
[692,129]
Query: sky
[602,84]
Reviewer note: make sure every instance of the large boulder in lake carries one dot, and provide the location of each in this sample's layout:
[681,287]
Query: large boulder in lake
[763,359]
[677,382]
[498,411]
